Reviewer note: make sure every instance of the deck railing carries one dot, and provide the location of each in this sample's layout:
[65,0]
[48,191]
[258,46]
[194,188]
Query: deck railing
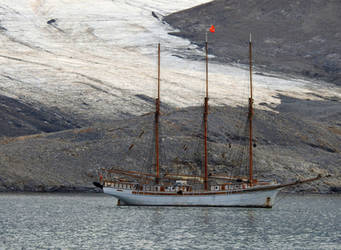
[175,188]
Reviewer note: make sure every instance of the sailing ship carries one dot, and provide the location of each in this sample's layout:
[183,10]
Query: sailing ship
[177,190]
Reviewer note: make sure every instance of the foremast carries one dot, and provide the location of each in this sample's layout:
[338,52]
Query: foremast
[250,116]
[205,121]
[157,116]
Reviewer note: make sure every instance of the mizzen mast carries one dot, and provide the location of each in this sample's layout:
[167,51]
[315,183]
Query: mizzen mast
[157,115]
[250,116]
[205,120]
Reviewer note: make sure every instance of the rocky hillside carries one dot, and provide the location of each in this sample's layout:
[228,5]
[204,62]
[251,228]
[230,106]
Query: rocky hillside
[292,36]
[287,146]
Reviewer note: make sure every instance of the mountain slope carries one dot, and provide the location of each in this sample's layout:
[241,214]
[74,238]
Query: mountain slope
[287,147]
[291,36]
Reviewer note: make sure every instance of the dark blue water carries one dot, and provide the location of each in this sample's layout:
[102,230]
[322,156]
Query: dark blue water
[80,221]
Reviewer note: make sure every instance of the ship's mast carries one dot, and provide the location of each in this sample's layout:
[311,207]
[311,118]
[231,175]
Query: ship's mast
[157,115]
[250,116]
[205,119]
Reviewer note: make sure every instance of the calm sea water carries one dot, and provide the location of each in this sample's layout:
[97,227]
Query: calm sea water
[83,221]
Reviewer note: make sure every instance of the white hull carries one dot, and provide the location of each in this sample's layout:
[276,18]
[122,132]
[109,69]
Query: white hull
[251,198]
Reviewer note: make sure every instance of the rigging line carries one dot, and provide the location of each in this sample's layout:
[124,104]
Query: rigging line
[235,150]
[164,151]
[197,148]
[237,153]
[194,144]
[136,138]
[197,143]
[242,154]
[243,133]
[191,151]
[238,117]
[145,140]
[231,152]
[284,196]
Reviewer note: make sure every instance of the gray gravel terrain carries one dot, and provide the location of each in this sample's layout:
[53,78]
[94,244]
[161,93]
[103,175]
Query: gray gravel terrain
[292,36]
[288,145]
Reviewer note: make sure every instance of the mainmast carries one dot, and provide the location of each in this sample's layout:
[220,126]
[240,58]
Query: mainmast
[205,119]
[250,116]
[157,115]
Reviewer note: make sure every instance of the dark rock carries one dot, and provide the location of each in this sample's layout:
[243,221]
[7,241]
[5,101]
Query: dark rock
[51,21]
[295,37]
[335,189]
[18,118]
[155,15]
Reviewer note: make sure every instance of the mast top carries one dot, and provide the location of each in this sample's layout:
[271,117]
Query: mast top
[158,72]
[250,38]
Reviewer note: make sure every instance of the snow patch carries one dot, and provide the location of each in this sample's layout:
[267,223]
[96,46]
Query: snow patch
[104,53]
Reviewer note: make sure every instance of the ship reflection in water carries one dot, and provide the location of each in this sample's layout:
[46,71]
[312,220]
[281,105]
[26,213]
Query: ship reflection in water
[83,221]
